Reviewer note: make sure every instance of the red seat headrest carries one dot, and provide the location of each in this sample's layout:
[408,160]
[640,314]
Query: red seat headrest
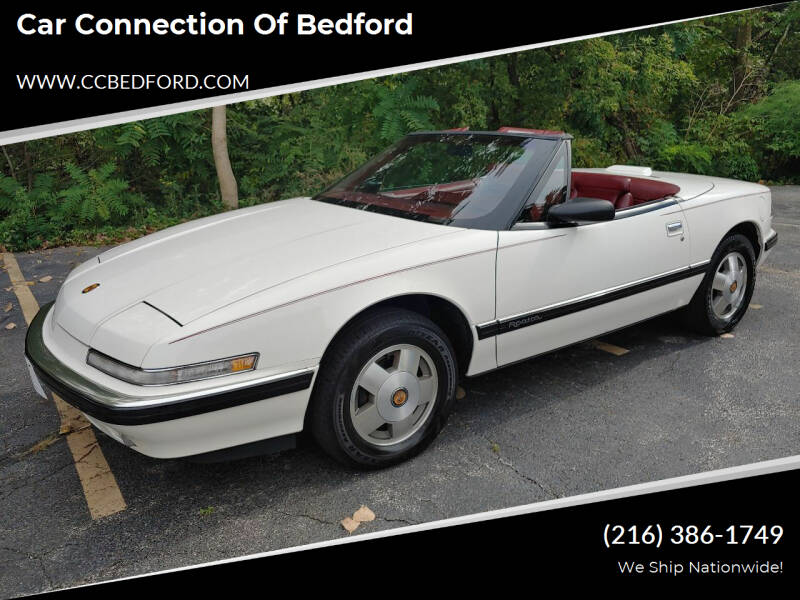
[648,189]
[621,183]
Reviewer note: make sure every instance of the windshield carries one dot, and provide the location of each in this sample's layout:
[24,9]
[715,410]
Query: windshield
[466,180]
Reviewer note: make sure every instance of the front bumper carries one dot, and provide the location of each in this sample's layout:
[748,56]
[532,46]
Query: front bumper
[176,424]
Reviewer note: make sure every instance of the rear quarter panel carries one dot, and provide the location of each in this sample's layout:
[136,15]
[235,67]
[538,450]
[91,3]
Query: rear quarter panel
[730,203]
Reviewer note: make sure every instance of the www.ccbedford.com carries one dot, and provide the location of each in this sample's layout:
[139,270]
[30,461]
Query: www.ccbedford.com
[700,567]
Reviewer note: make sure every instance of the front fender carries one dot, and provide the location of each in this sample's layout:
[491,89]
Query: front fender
[292,326]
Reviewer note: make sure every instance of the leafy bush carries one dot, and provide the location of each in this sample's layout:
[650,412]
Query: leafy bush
[400,110]
[28,219]
[95,197]
[773,125]
[43,214]
[685,157]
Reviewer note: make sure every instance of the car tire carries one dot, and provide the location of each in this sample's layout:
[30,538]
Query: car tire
[716,307]
[367,408]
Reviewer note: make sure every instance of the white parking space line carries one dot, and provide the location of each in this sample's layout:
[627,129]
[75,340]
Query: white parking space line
[610,348]
[103,496]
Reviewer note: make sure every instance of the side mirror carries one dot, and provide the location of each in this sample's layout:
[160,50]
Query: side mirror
[370,186]
[581,209]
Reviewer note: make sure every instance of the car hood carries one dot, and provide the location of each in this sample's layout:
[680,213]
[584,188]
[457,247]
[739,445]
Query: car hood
[191,270]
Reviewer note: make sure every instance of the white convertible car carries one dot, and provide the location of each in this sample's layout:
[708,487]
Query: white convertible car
[354,313]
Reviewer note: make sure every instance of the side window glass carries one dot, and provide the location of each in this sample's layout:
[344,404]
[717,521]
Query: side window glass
[553,192]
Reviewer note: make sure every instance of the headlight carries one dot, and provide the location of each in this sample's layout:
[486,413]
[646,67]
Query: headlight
[170,375]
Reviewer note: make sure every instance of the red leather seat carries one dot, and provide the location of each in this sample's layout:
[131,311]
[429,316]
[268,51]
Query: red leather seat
[645,190]
[622,191]
[600,185]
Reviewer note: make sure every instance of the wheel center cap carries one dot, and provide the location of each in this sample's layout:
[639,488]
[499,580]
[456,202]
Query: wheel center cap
[399,397]
[734,285]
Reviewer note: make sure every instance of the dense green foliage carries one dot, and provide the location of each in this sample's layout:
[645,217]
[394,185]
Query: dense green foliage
[718,96]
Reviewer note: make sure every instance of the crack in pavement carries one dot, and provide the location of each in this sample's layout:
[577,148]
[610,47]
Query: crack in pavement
[541,486]
[304,516]
[509,463]
[398,520]
[35,481]
[37,557]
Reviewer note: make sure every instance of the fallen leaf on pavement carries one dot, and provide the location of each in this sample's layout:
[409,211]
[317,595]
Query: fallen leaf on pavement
[8,307]
[363,515]
[610,348]
[756,306]
[350,524]
[460,393]
[45,279]
[68,428]
[11,326]
[727,336]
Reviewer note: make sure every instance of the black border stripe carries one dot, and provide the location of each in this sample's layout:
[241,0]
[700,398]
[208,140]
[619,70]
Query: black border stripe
[171,318]
[143,415]
[770,243]
[488,330]
[166,412]
[535,317]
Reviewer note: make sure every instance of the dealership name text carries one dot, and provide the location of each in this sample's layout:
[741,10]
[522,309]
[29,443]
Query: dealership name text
[264,24]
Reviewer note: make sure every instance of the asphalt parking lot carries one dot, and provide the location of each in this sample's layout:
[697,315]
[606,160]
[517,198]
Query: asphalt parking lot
[578,420]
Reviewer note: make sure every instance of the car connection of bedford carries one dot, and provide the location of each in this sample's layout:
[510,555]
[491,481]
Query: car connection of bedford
[354,314]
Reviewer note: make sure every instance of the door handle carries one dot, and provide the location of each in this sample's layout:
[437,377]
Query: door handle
[675,228]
